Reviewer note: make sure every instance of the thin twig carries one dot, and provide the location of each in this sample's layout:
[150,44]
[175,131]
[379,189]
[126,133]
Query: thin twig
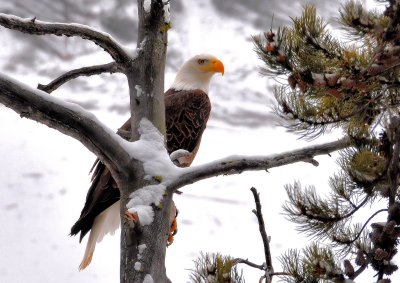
[312,161]
[267,251]
[363,227]
[249,263]
[281,274]
[85,71]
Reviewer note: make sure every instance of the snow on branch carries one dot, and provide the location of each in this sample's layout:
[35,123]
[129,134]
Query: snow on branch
[158,167]
[85,71]
[33,26]
[165,175]
[66,117]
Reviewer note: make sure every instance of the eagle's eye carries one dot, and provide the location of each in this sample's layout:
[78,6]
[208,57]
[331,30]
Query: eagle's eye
[201,61]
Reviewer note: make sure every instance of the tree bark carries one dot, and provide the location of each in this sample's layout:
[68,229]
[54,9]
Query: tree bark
[146,90]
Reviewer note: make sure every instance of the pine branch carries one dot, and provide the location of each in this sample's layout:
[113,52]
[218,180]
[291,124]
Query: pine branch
[322,218]
[332,85]
[215,268]
[313,264]
[274,52]
[358,21]
[311,113]
[85,71]
[314,36]
[392,31]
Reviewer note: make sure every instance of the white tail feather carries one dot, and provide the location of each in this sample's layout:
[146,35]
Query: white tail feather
[106,222]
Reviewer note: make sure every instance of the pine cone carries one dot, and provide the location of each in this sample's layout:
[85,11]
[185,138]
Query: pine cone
[380,254]
[385,191]
[389,268]
[292,81]
[360,258]
[227,278]
[394,212]
[269,36]
[376,236]
[332,79]
[396,233]
[270,47]
[211,269]
[348,268]
[389,227]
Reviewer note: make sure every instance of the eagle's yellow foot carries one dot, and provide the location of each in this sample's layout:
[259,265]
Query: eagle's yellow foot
[131,216]
[172,232]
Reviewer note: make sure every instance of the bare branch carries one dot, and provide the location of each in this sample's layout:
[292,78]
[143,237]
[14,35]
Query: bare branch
[312,161]
[267,251]
[33,26]
[65,117]
[85,71]
[249,263]
[238,164]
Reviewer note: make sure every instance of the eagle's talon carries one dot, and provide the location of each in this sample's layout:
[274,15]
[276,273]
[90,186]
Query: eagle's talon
[170,240]
[131,216]
[124,133]
[180,157]
[172,231]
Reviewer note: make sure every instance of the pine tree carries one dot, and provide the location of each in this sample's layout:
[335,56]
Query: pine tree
[354,86]
[215,268]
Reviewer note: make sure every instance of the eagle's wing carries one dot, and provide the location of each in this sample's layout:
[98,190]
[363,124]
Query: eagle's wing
[102,193]
[186,115]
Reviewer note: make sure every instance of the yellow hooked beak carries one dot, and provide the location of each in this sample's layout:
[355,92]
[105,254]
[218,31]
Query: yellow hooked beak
[214,66]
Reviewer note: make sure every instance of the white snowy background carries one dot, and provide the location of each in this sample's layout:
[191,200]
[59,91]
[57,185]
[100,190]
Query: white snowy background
[44,174]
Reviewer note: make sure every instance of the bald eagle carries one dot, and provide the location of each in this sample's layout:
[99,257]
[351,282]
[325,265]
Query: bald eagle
[187,109]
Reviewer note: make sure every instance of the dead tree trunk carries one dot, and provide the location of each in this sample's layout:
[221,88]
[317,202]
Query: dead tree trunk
[147,74]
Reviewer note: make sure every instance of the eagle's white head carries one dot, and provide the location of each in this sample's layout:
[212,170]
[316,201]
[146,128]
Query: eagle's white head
[196,73]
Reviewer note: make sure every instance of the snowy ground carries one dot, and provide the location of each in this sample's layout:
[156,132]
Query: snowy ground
[44,175]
